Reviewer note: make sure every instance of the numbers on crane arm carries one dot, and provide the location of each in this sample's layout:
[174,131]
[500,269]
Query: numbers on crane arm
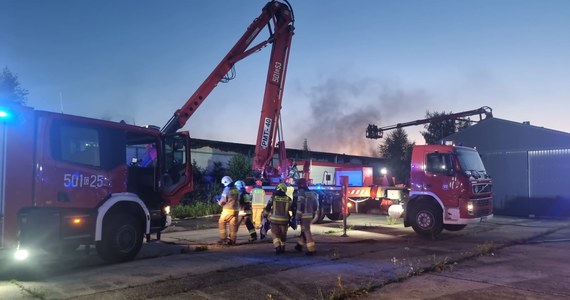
[80,180]
[276,76]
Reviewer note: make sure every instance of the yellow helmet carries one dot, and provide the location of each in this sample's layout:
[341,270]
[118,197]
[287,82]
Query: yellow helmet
[282,187]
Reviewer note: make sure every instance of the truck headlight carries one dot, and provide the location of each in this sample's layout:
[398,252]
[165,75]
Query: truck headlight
[21,254]
[470,207]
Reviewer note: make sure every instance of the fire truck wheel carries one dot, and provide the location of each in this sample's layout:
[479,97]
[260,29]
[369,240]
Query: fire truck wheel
[427,220]
[122,239]
[334,216]
[453,227]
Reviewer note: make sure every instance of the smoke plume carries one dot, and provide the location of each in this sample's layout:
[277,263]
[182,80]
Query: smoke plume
[341,109]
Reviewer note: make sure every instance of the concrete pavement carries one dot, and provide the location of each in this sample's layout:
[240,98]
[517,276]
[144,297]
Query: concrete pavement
[505,258]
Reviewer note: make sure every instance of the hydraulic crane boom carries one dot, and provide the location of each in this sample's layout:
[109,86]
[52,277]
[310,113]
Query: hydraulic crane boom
[279,19]
[375,132]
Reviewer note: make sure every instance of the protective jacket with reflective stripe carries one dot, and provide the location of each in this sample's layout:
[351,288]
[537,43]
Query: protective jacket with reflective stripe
[307,203]
[279,206]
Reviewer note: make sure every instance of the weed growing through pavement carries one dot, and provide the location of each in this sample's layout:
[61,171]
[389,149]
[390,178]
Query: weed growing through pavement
[393,221]
[339,230]
[341,292]
[34,293]
[439,264]
[334,254]
[488,248]
[201,248]
[409,268]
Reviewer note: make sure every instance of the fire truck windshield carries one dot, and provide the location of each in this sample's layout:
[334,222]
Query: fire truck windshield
[470,162]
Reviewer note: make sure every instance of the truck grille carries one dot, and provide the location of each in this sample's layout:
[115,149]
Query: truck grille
[483,207]
[482,202]
[482,212]
[482,188]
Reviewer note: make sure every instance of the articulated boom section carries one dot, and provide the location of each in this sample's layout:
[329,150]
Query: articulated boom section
[375,132]
[275,13]
[271,109]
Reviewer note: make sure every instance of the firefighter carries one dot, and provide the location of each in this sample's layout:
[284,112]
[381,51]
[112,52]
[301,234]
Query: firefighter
[258,203]
[277,210]
[245,212]
[307,203]
[229,217]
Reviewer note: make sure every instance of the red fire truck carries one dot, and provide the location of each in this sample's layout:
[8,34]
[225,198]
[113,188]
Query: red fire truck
[68,180]
[448,186]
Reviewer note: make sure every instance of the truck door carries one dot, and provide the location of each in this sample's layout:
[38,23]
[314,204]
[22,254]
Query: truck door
[176,178]
[441,179]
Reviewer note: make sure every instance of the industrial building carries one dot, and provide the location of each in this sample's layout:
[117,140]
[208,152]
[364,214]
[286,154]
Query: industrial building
[529,165]
[207,152]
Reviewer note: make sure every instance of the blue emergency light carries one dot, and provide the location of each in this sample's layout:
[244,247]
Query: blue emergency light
[5,114]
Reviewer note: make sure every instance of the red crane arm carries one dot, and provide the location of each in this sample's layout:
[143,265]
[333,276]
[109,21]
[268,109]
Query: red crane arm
[274,12]
[375,132]
[271,110]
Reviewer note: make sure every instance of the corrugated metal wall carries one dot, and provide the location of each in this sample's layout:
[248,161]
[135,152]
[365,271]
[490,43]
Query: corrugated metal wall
[530,183]
[510,176]
[549,173]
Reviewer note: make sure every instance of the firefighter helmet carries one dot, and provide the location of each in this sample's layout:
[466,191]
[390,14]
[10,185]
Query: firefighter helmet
[282,187]
[226,180]
[239,184]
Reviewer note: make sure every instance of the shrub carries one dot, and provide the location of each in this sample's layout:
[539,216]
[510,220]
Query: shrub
[196,209]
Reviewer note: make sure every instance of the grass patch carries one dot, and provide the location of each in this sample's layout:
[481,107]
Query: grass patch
[196,209]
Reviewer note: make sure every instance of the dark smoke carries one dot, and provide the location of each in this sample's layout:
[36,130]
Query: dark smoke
[341,109]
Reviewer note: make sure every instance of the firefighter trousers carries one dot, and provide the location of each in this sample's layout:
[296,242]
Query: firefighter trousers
[249,225]
[228,218]
[306,237]
[257,212]
[279,233]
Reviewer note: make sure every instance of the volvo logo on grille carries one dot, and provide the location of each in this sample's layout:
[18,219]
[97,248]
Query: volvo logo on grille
[481,188]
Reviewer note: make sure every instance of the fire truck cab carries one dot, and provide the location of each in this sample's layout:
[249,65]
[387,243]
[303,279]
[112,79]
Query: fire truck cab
[448,189]
[69,181]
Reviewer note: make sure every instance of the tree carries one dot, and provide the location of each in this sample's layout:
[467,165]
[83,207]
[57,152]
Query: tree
[10,89]
[239,167]
[397,150]
[438,130]
[218,171]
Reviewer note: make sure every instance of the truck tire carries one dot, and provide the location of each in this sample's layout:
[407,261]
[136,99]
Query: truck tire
[427,220]
[453,227]
[334,216]
[122,239]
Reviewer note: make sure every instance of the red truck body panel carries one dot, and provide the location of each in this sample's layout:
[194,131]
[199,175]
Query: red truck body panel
[453,190]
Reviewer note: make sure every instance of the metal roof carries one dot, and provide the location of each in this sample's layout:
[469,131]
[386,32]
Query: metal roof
[494,134]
